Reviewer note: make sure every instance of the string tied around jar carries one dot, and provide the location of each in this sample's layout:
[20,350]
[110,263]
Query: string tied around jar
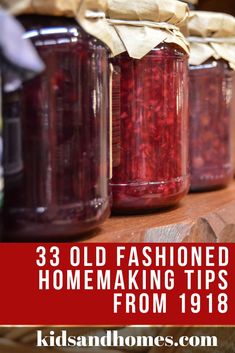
[137,28]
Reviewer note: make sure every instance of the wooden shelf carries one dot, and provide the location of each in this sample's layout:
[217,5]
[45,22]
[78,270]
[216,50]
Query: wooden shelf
[201,217]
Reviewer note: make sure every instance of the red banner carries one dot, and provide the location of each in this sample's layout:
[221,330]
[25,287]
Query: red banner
[117,284]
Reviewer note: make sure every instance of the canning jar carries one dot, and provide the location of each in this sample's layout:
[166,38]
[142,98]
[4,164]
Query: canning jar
[1,167]
[150,129]
[57,136]
[211,113]
[233,129]
[16,65]
[211,100]
[1,150]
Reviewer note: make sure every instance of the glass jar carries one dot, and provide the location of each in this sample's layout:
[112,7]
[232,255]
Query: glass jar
[233,119]
[211,111]
[58,186]
[1,168]
[1,151]
[150,130]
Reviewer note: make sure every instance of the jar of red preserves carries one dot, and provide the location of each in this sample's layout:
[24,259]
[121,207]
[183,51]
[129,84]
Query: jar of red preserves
[234,150]
[211,99]
[1,150]
[57,187]
[150,112]
[17,65]
[233,128]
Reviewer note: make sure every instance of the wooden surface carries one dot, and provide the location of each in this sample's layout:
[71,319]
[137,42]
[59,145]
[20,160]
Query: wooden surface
[201,217]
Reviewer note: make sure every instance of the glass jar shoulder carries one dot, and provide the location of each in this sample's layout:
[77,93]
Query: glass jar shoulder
[169,50]
[49,30]
[164,51]
[210,67]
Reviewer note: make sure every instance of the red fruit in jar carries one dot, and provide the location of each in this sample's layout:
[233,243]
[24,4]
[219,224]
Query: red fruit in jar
[150,125]
[61,189]
[211,113]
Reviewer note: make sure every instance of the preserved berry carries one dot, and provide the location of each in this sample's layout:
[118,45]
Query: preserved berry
[1,149]
[61,187]
[233,124]
[211,112]
[150,130]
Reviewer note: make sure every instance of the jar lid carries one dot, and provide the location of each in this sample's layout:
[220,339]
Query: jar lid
[139,26]
[212,35]
[90,14]
[211,24]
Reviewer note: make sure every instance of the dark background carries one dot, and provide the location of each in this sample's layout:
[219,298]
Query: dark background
[227,6]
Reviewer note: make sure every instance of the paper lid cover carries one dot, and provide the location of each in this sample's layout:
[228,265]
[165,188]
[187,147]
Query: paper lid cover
[212,35]
[139,26]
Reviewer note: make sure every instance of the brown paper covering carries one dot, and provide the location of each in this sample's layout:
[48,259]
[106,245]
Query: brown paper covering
[212,35]
[139,26]
[158,20]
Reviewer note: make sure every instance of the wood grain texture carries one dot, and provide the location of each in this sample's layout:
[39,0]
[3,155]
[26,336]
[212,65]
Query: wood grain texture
[201,217]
